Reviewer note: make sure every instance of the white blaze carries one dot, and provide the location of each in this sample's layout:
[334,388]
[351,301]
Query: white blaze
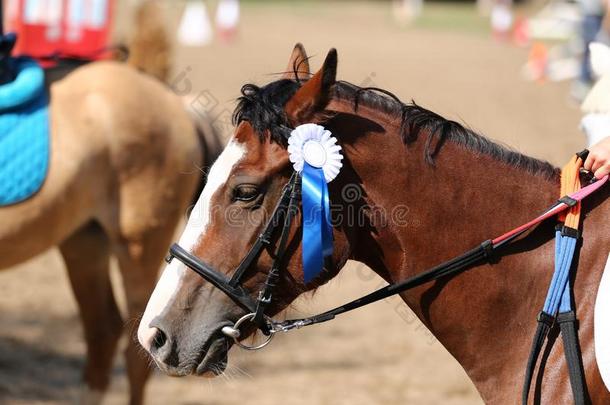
[169,283]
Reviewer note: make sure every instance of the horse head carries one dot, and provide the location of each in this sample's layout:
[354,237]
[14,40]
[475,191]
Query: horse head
[183,322]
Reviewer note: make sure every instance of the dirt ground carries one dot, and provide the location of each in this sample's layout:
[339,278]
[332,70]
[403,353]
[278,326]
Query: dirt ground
[379,355]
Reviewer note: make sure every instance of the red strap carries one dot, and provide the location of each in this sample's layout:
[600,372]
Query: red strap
[556,209]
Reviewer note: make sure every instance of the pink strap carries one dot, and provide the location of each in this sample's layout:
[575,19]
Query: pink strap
[578,196]
[590,189]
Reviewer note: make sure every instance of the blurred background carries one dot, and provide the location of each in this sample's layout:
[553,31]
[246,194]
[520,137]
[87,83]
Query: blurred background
[514,72]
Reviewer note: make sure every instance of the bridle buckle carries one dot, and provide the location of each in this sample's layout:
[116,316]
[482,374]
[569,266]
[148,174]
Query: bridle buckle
[264,299]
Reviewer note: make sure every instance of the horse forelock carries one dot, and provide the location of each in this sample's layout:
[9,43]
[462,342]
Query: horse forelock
[263,108]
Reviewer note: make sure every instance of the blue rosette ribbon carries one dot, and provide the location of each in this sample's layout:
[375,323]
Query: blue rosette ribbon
[316,156]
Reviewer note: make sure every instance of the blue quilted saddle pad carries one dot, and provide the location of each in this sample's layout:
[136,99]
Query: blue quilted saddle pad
[24,133]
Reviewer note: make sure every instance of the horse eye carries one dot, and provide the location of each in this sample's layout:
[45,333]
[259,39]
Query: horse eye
[245,192]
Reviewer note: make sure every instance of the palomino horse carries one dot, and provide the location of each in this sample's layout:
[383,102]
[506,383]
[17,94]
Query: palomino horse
[125,159]
[459,189]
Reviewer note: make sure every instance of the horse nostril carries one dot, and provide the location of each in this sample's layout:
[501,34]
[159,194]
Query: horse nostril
[159,340]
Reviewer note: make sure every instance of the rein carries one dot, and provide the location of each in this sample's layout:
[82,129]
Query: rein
[456,265]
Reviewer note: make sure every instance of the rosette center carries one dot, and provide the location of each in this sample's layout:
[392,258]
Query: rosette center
[314,154]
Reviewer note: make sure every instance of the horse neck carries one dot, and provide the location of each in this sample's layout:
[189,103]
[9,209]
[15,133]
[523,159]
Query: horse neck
[466,197]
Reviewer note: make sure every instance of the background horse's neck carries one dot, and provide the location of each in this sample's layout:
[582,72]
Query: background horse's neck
[465,198]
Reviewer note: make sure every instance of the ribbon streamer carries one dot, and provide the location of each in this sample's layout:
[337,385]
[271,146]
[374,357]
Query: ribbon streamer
[317,229]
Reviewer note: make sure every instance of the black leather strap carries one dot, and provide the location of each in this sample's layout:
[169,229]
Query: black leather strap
[568,231]
[545,322]
[583,154]
[451,267]
[569,332]
[264,239]
[237,294]
[266,293]
[568,327]
[567,200]
[232,287]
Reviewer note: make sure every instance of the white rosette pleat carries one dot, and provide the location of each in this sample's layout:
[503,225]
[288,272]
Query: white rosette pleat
[315,145]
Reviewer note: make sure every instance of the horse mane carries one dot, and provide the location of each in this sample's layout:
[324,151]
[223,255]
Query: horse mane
[263,107]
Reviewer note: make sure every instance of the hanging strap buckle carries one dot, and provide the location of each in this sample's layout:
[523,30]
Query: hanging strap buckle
[288,326]
[567,200]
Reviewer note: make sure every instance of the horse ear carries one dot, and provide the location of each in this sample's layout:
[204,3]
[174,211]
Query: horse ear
[298,65]
[314,95]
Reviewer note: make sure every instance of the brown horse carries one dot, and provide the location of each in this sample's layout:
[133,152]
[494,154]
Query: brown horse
[457,189]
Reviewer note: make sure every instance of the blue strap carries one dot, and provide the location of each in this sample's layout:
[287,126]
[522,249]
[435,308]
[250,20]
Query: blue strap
[317,230]
[558,306]
[566,299]
[558,296]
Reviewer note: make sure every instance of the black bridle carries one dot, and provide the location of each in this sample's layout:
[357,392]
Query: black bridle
[281,218]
